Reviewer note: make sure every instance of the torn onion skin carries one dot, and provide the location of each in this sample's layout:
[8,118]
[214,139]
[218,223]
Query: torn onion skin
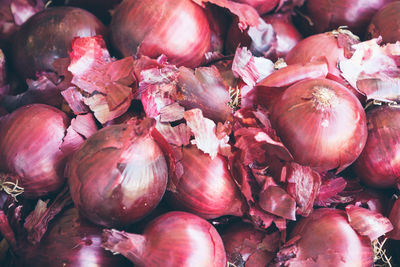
[327,239]
[377,165]
[386,23]
[119,174]
[173,239]
[30,142]
[48,35]
[332,130]
[155,27]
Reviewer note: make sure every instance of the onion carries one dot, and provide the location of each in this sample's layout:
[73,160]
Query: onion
[386,23]
[173,239]
[328,15]
[205,187]
[332,130]
[179,29]
[48,35]
[394,218]
[377,165]
[30,142]
[262,6]
[70,241]
[327,239]
[119,174]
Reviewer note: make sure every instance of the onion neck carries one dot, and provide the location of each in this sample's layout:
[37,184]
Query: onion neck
[323,98]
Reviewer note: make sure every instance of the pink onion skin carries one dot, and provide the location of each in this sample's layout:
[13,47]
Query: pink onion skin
[394,218]
[119,174]
[262,6]
[173,239]
[329,15]
[48,35]
[179,29]
[321,123]
[30,141]
[206,187]
[327,236]
[70,241]
[386,23]
[377,165]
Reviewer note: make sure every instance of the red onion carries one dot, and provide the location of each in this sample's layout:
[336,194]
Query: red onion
[48,35]
[30,142]
[205,186]
[386,23]
[321,123]
[179,29]
[173,239]
[328,15]
[119,174]
[377,165]
[262,6]
[394,218]
[325,238]
[70,241]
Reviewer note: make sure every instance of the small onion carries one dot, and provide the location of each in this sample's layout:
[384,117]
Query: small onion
[173,239]
[119,174]
[30,141]
[48,35]
[321,123]
[179,29]
[378,164]
[327,239]
[206,187]
[386,23]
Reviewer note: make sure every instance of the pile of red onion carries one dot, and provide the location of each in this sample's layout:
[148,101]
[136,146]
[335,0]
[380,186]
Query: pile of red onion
[199,133]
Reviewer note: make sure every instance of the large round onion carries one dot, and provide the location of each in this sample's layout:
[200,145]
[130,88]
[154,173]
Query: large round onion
[48,35]
[378,163]
[321,123]
[179,29]
[69,241]
[119,174]
[30,142]
[173,239]
[386,23]
[327,239]
[205,187]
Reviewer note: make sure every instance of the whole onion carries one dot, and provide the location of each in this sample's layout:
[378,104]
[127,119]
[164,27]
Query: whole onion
[30,141]
[173,239]
[386,23]
[394,218]
[328,15]
[205,187]
[378,164]
[321,123]
[327,239]
[48,35]
[119,174]
[69,241]
[179,29]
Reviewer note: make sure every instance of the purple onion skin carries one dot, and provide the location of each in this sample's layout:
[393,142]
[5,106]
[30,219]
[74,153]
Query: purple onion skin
[206,187]
[70,241]
[173,239]
[30,141]
[377,165]
[48,35]
[179,29]
[386,23]
[118,176]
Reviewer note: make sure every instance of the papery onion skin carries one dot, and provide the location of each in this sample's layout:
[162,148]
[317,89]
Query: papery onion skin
[179,29]
[386,23]
[378,164]
[48,35]
[321,123]
[30,141]
[70,241]
[119,174]
[327,239]
[173,239]
[206,187]
[328,15]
